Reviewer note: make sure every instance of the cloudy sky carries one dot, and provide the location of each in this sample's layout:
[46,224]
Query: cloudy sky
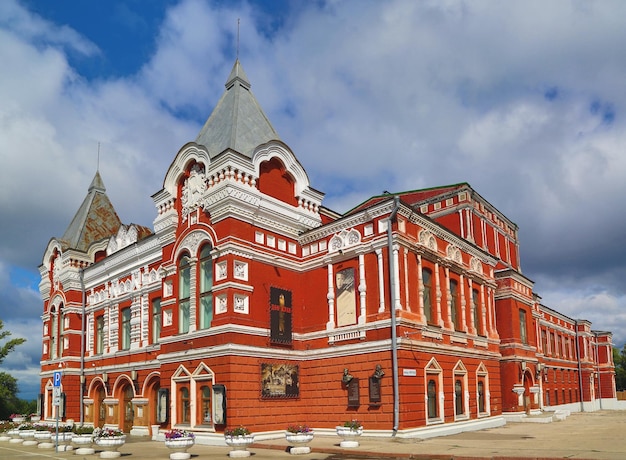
[524,100]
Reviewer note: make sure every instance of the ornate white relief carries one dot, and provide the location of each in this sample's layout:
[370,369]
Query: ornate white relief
[240,304]
[221,271]
[427,239]
[167,317]
[240,271]
[476,265]
[344,240]
[168,288]
[126,235]
[221,306]
[192,242]
[193,189]
[454,253]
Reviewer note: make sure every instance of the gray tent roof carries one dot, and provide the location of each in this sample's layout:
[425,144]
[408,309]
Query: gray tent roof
[237,122]
[95,220]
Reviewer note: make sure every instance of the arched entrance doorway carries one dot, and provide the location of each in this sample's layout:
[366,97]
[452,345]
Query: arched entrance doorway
[528,383]
[100,410]
[127,408]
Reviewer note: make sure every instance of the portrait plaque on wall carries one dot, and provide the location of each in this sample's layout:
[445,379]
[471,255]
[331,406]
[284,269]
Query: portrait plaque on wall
[353,393]
[280,316]
[374,391]
[280,380]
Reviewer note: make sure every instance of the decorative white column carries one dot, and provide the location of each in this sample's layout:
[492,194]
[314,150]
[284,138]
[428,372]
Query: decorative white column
[381,281]
[420,290]
[193,272]
[406,279]
[473,328]
[438,294]
[448,321]
[396,274]
[463,303]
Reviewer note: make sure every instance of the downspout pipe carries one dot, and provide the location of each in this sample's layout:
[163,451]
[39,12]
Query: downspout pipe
[598,369]
[392,295]
[580,371]
[82,347]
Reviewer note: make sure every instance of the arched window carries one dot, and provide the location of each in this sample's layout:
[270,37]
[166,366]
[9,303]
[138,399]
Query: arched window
[205,404]
[426,295]
[184,405]
[55,333]
[432,399]
[481,396]
[184,291]
[458,397]
[206,285]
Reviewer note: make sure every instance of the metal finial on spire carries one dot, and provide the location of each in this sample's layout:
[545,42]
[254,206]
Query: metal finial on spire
[238,38]
[98,162]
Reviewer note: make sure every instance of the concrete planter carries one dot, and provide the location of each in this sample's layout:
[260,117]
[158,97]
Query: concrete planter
[239,444]
[349,436]
[179,447]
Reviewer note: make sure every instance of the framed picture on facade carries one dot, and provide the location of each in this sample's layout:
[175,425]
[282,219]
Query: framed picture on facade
[280,380]
[280,316]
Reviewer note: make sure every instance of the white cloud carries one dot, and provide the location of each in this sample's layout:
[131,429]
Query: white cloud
[523,100]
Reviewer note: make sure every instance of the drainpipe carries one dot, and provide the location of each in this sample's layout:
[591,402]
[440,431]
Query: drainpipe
[392,295]
[598,369]
[580,371]
[82,347]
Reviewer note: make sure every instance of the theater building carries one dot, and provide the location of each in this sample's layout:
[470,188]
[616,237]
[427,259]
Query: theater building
[250,303]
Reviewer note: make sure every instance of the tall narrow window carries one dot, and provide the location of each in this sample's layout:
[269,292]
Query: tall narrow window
[156,320]
[206,284]
[184,290]
[475,310]
[453,305]
[432,399]
[522,326]
[426,295]
[184,405]
[481,396]
[99,335]
[205,404]
[458,397]
[54,336]
[346,297]
[125,328]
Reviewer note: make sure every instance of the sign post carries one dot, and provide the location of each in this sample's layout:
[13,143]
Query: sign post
[56,402]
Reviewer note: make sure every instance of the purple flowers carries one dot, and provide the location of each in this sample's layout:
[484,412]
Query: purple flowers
[177,434]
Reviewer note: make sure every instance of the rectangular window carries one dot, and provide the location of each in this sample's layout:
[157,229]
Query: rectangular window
[206,285]
[522,326]
[156,320]
[346,297]
[99,345]
[125,328]
[184,316]
[453,305]
[426,295]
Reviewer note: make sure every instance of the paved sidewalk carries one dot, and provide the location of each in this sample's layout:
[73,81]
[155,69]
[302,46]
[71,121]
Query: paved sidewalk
[590,435]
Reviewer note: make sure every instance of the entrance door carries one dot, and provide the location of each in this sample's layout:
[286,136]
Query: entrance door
[101,410]
[129,413]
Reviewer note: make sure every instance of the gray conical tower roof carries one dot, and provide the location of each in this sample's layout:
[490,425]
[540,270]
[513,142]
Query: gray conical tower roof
[237,122]
[95,220]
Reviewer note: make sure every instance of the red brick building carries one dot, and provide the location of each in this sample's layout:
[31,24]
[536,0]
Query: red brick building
[250,303]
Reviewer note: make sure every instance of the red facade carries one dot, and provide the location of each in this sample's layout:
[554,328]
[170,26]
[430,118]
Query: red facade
[249,303]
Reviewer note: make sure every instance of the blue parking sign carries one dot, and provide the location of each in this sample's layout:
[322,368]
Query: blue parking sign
[56,379]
